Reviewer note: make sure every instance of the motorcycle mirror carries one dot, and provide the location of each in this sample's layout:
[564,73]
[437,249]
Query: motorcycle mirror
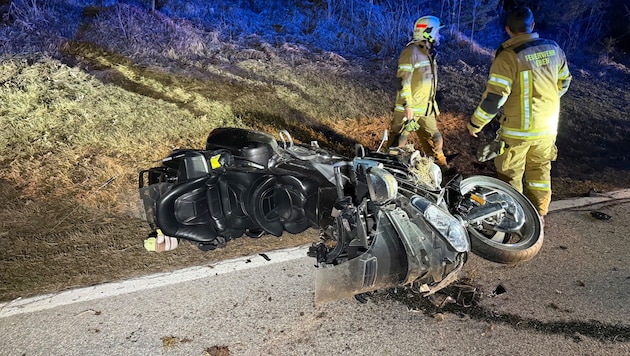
[383,140]
[359,150]
[286,138]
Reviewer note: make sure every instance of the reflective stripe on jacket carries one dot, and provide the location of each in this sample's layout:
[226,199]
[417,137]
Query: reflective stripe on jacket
[527,78]
[417,71]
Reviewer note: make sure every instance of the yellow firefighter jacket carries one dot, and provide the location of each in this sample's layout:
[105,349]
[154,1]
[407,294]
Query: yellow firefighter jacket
[417,71]
[527,78]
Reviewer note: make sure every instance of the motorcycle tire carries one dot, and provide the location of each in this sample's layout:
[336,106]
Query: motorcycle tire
[501,247]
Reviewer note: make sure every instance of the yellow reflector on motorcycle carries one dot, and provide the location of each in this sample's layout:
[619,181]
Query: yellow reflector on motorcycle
[478,199]
[214,161]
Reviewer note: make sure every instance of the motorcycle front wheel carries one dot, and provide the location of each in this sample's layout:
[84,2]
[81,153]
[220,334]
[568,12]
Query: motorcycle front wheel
[512,235]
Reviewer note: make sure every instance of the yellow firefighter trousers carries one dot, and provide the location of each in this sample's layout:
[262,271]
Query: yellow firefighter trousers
[530,160]
[428,134]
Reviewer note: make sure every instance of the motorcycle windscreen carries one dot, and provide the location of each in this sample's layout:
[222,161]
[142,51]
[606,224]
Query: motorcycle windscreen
[382,266]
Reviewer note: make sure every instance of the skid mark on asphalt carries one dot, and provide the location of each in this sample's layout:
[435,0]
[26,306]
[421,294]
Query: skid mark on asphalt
[573,329]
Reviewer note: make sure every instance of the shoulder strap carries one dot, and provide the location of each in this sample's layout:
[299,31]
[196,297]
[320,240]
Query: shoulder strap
[499,50]
[533,43]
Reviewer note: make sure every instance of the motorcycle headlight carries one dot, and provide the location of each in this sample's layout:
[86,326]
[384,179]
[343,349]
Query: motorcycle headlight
[381,184]
[451,228]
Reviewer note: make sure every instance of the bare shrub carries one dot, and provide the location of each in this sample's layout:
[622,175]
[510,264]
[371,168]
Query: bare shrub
[29,15]
[134,31]
[469,16]
[378,29]
[459,47]
[574,23]
[33,27]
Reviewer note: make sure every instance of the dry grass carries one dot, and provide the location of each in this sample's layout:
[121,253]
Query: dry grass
[76,130]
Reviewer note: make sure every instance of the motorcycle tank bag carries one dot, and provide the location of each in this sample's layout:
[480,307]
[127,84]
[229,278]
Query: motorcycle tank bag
[246,145]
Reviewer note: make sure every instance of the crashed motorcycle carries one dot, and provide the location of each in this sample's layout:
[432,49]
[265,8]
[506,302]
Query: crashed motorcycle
[386,219]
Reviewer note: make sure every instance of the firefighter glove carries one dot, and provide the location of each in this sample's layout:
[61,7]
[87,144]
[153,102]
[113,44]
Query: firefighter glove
[472,129]
[490,151]
[411,125]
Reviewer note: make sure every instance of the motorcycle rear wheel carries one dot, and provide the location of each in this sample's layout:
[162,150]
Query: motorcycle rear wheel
[504,247]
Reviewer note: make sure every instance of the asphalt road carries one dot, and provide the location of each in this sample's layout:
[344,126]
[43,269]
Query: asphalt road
[572,299]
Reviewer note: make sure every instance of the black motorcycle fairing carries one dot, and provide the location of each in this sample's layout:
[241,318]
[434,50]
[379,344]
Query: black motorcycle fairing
[240,197]
[403,250]
[382,266]
[179,166]
[291,201]
[318,207]
[233,189]
[183,212]
[262,204]
[313,176]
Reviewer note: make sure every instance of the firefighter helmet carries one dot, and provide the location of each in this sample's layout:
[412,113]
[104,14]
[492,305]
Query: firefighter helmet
[426,28]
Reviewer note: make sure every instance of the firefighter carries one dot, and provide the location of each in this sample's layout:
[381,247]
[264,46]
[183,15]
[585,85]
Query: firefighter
[416,107]
[527,78]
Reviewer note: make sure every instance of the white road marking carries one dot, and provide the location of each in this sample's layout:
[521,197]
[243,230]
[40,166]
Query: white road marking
[578,202]
[49,301]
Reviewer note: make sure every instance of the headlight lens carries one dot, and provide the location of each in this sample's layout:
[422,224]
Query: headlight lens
[451,228]
[382,185]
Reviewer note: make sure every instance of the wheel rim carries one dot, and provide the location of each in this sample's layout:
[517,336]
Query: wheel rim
[495,190]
